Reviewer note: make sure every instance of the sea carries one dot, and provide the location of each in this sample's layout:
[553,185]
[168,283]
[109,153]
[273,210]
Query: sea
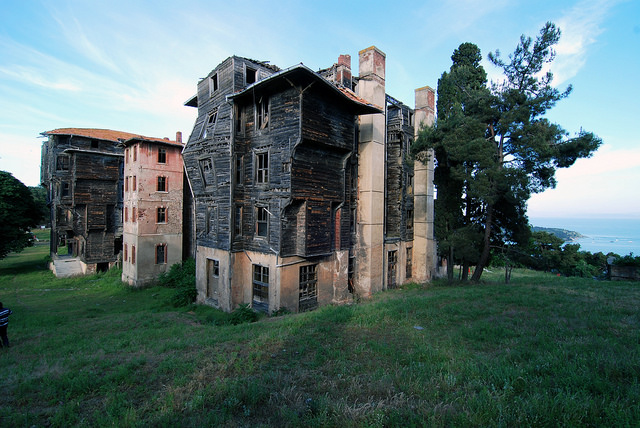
[615,235]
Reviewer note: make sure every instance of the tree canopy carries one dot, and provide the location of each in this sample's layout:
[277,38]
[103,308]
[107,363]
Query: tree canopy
[493,147]
[18,214]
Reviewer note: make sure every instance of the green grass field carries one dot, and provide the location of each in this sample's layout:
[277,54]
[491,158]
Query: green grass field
[541,351]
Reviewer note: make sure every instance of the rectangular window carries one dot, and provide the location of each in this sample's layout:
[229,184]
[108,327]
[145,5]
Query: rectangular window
[162,184]
[209,124]
[134,215]
[409,266]
[135,153]
[250,75]
[213,84]
[308,290]
[213,278]
[126,255]
[126,214]
[260,288]
[239,118]
[126,184]
[262,113]
[161,254]
[239,170]
[206,171]
[237,221]
[62,163]
[134,183]
[133,254]
[392,264]
[409,220]
[94,144]
[126,156]
[262,222]
[162,155]
[65,189]
[162,215]
[262,168]
[409,184]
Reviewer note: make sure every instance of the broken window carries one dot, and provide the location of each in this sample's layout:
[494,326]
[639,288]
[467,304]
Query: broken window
[239,170]
[262,168]
[62,163]
[409,220]
[162,184]
[392,263]
[162,155]
[65,190]
[409,264]
[162,215]
[260,288]
[206,171]
[209,124]
[213,269]
[161,254]
[262,113]
[250,75]
[262,222]
[308,290]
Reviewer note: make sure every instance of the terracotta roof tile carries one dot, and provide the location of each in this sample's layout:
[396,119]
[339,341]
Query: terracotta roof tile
[108,135]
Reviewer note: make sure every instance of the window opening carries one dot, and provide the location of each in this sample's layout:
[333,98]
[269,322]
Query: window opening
[237,221]
[213,276]
[94,144]
[161,254]
[262,222]
[239,170]
[206,171]
[62,163]
[260,288]
[409,264]
[250,75]
[214,83]
[162,215]
[133,254]
[133,187]
[162,155]
[308,290]
[162,184]
[262,168]
[210,124]
[262,113]
[392,263]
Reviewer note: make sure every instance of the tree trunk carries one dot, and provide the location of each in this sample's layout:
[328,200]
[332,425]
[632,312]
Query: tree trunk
[465,270]
[486,250]
[450,265]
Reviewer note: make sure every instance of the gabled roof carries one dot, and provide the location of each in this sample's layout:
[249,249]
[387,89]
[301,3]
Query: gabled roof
[301,74]
[107,135]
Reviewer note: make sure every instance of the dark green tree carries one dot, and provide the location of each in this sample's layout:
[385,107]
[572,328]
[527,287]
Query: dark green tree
[39,194]
[18,214]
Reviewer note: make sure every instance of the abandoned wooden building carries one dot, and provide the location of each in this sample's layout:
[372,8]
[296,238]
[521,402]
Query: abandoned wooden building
[304,193]
[82,170]
[153,208]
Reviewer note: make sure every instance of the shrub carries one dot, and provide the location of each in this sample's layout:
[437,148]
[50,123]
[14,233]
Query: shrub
[181,277]
[241,315]
[628,260]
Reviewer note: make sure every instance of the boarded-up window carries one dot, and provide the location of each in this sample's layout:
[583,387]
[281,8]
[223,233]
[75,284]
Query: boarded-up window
[212,220]
[308,290]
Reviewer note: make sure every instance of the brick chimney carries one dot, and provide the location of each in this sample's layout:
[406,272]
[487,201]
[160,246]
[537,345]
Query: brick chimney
[343,71]
[179,137]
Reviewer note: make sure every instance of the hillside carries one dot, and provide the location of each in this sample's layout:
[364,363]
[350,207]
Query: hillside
[564,234]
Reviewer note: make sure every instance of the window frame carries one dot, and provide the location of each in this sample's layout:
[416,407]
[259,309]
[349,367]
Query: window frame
[262,219]
[260,287]
[161,250]
[161,213]
[261,171]
[308,287]
[164,180]
[262,112]
[162,155]
[207,174]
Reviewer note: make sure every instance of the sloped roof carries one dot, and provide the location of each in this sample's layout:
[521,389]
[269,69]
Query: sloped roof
[300,71]
[108,135]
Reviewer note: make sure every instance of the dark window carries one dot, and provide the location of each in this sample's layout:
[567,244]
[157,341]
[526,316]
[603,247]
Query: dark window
[409,266]
[134,214]
[262,113]
[261,287]
[308,291]
[162,155]
[392,263]
[133,254]
[212,220]
[237,221]
[262,222]
[409,220]
[239,170]
[239,118]
[135,153]
[62,163]
[126,184]
[161,254]
[206,171]
[213,267]
[126,255]
[250,75]
[65,189]
[262,168]
[126,214]
[214,83]
[94,144]
[133,187]
[162,215]
[162,184]
[210,124]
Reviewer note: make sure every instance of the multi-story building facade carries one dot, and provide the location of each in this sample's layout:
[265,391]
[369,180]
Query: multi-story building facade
[152,208]
[303,190]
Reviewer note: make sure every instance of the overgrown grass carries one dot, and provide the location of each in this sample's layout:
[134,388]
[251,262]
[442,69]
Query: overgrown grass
[542,351]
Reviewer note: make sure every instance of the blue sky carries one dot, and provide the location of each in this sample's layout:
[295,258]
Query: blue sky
[130,66]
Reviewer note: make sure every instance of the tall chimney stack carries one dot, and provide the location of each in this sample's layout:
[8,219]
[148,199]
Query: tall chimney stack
[179,137]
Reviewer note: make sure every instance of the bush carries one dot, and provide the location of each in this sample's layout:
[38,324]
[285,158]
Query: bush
[182,277]
[628,260]
[241,315]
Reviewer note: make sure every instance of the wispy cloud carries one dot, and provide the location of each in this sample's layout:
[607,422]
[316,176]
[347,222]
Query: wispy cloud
[580,27]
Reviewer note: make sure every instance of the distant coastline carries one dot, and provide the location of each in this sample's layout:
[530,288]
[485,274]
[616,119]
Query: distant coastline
[564,234]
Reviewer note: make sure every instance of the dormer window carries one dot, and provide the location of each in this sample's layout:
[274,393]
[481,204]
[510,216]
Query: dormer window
[250,75]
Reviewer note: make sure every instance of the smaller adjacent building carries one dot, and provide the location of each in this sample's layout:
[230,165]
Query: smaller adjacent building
[152,208]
